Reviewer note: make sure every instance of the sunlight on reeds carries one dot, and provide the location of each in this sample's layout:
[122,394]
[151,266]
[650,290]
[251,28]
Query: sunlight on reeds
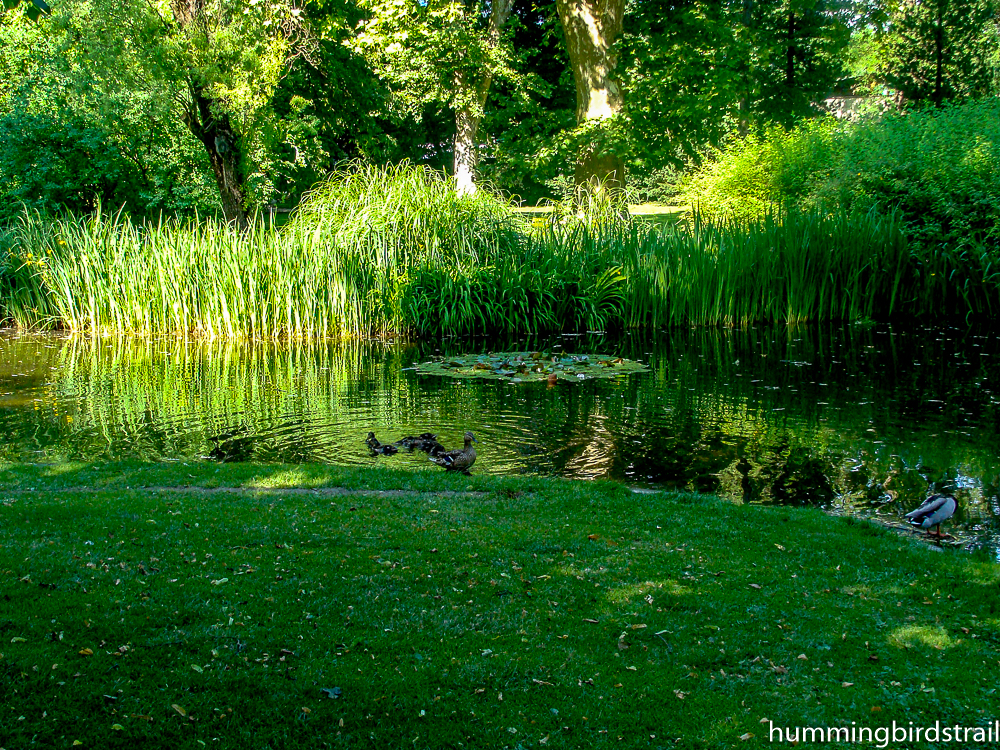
[379,251]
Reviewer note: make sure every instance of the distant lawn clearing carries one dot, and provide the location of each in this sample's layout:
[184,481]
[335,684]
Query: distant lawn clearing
[244,606]
[651,212]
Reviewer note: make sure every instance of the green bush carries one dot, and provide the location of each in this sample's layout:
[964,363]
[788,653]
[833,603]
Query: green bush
[939,167]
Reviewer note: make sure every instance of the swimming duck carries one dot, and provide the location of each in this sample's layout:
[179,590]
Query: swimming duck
[409,442]
[458,460]
[377,448]
[935,510]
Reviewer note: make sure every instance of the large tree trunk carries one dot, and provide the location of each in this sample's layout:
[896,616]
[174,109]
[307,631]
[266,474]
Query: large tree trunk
[591,28]
[222,145]
[467,120]
[213,128]
[472,99]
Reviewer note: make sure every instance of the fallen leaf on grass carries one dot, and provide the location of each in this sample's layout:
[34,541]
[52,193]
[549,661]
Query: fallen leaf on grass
[638,627]
[593,537]
[679,694]
[756,586]
[18,639]
[587,619]
[846,684]
[747,736]
[332,693]
[117,727]
[539,682]
[85,652]
[179,709]
[803,657]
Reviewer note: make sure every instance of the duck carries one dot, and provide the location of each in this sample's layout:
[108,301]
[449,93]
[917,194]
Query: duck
[935,510]
[458,459]
[410,442]
[377,448]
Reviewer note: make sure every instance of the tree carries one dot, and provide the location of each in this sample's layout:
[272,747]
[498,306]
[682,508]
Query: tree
[681,71]
[211,65]
[592,28]
[795,53]
[443,54]
[65,146]
[935,50]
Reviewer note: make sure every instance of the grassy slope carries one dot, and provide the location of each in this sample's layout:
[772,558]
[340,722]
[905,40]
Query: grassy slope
[215,618]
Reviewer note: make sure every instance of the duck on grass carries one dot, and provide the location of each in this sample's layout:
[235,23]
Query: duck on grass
[936,510]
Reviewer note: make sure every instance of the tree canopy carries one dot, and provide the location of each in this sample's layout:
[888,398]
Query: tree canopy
[239,105]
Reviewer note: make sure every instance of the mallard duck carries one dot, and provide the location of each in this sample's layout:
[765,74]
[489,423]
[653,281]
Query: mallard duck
[409,442]
[377,448]
[431,447]
[935,510]
[458,460]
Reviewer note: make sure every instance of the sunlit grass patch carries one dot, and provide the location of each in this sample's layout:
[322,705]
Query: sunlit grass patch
[921,636]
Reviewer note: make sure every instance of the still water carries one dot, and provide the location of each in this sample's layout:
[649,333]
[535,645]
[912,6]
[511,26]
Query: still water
[863,420]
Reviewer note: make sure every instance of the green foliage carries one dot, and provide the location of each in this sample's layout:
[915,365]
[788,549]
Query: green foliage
[758,175]
[680,75]
[939,167]
[396,250]
[936,167]
[104,100]
[939,50]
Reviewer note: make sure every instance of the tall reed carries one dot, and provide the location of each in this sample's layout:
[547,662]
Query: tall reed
[398,250]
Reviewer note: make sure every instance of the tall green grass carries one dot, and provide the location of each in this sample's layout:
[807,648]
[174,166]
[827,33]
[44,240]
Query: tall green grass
[377,251]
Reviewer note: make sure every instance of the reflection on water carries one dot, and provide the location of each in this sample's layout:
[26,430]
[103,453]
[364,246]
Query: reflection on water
[861,420]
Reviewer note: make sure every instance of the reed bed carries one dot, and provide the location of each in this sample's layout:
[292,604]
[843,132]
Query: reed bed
[378,251]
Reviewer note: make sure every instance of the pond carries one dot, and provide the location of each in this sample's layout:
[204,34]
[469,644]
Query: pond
[861,420]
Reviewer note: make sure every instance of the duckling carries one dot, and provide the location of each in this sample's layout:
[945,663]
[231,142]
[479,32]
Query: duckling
[409,442]
[431,447]
[377,448]
[458,459]
[935,510]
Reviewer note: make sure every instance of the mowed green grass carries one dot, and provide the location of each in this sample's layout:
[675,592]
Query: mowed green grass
[149,606]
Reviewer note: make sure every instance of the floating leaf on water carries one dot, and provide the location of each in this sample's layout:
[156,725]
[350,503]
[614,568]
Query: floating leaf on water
[512,365]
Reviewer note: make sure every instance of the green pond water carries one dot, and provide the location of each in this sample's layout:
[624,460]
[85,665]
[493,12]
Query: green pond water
[858,420]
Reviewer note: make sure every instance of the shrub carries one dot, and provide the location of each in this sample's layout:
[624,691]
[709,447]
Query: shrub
[939,167]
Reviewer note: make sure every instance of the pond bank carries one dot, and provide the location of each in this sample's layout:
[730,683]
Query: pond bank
[538,612]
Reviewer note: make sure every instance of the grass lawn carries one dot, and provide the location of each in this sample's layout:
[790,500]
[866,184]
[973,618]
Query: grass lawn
[653,213]
[244,606]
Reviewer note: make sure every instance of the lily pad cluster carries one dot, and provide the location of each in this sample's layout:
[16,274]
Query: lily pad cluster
[519,367]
